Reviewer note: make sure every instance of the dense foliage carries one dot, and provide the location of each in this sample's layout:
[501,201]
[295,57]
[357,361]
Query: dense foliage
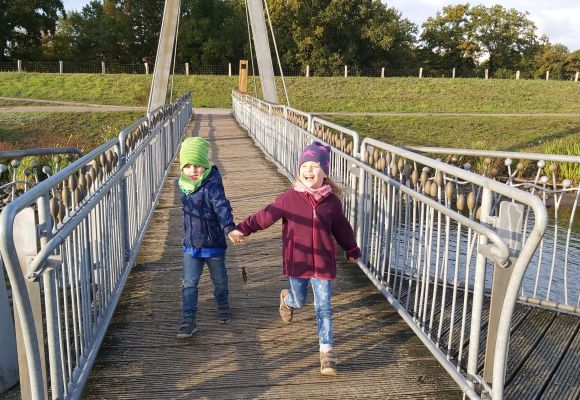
[324,34]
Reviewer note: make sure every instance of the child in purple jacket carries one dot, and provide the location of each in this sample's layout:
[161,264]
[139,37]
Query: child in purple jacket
[312,218]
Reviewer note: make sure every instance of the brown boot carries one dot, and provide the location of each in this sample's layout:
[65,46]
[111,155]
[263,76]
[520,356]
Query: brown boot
[328,363]
[285,311]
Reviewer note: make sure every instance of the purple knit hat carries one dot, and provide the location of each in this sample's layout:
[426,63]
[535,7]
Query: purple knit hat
[317,152]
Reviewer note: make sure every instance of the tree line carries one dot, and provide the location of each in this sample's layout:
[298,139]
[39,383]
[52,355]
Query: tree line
[324,34]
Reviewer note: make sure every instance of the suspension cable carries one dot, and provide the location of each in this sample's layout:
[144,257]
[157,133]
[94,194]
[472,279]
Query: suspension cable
[277,55]
[175,52]
[251,48]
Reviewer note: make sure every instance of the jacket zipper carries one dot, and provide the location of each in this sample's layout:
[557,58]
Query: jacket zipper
[314,217]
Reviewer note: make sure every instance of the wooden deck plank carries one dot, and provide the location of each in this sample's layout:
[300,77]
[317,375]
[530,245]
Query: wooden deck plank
[565,383]
[541,364]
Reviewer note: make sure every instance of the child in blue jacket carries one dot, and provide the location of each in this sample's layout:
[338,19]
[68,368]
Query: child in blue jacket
[207,219]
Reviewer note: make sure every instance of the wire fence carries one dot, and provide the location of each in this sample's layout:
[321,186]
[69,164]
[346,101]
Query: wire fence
[232,69]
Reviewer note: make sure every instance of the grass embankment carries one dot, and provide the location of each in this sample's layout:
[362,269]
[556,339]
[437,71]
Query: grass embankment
[402,95]
[39,129]
[315,94]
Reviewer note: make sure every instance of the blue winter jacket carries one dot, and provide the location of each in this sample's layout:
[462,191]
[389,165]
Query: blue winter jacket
[207,214]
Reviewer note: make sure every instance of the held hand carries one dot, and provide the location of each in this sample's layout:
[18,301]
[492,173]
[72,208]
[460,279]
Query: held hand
[236,236]
[352,260]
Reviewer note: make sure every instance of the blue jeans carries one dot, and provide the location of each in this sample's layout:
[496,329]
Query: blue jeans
[322,290]
[192,269]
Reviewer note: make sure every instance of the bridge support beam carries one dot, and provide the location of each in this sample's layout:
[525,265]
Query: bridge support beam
[262,46]
[162,68]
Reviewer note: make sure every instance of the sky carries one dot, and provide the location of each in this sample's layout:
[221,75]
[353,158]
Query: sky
[558,19]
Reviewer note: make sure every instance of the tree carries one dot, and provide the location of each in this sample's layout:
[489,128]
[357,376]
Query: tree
[503,35]
[461,36]
[447,41]
[327,34]
[211,32]
[22,25]
[557,60]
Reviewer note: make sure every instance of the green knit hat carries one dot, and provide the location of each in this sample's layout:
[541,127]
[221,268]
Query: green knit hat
[194,151]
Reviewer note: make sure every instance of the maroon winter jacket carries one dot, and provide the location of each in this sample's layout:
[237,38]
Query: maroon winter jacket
[307,233]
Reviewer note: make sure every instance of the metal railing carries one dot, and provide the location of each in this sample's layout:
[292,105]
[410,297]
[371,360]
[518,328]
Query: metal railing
[91,218]
[430,245]
[551,280]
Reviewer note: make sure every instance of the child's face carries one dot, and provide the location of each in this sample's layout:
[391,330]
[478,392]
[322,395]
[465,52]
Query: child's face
[311,175]
[193,172]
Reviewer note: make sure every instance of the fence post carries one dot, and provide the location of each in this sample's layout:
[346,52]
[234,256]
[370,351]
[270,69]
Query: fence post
[186,68]
[19,66]
[576,78]
[421,72]
[229,69]
[517,75]
[486,74]
[383,72]
[547,74]
[453,73]
[60,67]
[146,68]
[346,71]
[103,69]
[308,72]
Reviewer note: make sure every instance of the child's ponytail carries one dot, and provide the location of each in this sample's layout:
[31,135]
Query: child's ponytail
[337,190]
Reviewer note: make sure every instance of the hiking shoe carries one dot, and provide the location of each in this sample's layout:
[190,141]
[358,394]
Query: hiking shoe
[328,364]
[286,312]
[188,328]
[224,314]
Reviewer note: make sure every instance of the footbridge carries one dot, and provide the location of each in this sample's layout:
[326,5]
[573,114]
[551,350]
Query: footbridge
[469,283]
[457,294]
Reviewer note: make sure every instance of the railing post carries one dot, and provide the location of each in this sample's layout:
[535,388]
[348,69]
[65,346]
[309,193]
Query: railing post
[478,287]
[421,72]
[510,221]
[146,68]
[60,67]
[486,74]
[186,68]
[8,358]
[123,200]
[103,69]
[229,69]
[51,300]
[19,66]
[383,72]
[577,74]
[453,74]
[31,381]
[548,75]
[308,72]
[517,75]
[346,71]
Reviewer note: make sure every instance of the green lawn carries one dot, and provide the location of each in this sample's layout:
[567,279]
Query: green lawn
[493,133]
